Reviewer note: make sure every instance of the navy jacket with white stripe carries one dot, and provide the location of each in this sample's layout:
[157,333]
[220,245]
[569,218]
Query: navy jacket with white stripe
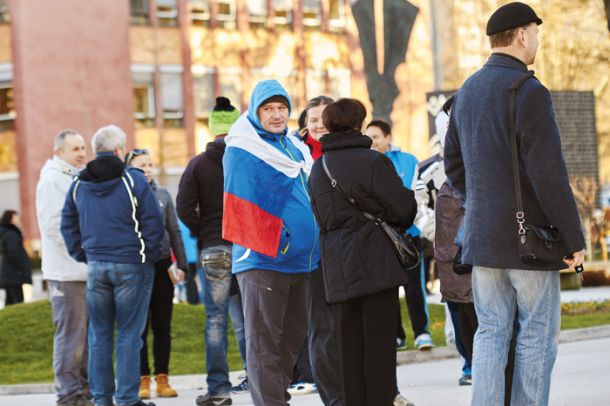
[111,214]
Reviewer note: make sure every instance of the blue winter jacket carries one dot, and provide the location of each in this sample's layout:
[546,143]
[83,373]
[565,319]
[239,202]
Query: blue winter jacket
[111,214]
[406,166]
[299,244]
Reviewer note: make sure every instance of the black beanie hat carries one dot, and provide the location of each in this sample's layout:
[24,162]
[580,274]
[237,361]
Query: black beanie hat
[511,15]
[222,116]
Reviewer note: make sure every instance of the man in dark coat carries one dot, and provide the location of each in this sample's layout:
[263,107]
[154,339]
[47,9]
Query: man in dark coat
[478,163]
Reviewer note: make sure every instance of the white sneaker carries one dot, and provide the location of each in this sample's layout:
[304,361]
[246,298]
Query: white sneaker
[302,388]
[400,400]
[424,342]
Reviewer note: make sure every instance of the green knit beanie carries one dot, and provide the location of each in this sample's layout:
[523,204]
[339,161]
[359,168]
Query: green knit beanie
[222,116]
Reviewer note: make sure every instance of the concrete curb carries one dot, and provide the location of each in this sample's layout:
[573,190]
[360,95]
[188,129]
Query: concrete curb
[195,382]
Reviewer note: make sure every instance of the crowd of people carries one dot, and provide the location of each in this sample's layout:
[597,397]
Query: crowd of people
[289,236]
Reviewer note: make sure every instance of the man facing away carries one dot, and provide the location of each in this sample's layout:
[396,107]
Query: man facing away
[478,163]
[111,221]
[268,217]
[199,205]
[66,278]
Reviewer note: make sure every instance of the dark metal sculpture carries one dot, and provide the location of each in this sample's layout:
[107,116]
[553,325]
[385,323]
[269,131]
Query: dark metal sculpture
[399,18]
[607,3]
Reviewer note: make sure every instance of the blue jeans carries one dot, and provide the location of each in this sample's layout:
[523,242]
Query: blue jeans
[216,263]
[454,311]
[499,294]
[117,293]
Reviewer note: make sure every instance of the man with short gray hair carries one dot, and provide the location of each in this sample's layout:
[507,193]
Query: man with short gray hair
[66,277]
[112,222]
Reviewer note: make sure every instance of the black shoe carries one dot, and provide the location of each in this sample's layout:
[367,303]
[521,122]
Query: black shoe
[214,400]
[141,403]
[242,387]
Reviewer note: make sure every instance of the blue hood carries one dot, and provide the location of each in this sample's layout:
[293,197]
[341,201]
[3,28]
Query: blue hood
[264,90]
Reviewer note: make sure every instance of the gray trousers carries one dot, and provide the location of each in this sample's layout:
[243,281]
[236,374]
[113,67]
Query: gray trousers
[69,306]
[275,315]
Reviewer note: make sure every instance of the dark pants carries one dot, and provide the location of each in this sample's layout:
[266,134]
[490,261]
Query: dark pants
[302,369]
[14,295]
[366,328]
[275,315]
[190,282]
[323,345]
[160,319]
[468,325]
[464,321]
[415,296]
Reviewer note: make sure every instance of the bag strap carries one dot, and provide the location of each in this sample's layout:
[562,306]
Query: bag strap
[512,91]
[335,185]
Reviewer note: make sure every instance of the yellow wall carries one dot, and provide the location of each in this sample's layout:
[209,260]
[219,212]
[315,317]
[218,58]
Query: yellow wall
[143,42]
[5,43]
[8,155]
[171,151]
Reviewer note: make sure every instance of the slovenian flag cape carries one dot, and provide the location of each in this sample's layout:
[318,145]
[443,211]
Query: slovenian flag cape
[258,179]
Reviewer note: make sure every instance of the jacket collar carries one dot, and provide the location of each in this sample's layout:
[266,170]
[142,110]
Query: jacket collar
[507,61]
[345,139]
[65,167]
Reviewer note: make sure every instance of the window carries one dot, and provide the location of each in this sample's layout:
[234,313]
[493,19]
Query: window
[172,101]
[231,85]
[167,13]
[4,14]
[282,12]
[203,84]
[311,13]
[7,105]
[257,11]
[143,96]
[336,15]
[200,12]
[138,12]
[226,14]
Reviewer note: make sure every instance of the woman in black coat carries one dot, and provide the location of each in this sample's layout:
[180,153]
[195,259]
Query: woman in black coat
[14,260]
[362,272]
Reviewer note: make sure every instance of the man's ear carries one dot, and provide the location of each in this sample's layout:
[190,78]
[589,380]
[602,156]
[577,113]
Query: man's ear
[522,37]
[119,152]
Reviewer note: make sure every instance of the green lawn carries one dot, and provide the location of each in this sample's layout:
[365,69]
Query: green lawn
[26,337]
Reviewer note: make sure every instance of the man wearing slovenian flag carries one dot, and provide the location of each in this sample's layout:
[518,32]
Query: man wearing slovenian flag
[268,217]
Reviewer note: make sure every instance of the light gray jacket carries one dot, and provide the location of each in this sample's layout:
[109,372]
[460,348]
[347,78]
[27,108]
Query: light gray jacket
[55,180]
[172,238]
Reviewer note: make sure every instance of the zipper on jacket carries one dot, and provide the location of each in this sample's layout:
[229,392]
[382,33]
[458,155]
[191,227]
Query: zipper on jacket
[315,225]
[284,250]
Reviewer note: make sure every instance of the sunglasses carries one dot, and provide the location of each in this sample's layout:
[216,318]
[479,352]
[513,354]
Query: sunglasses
[134,153]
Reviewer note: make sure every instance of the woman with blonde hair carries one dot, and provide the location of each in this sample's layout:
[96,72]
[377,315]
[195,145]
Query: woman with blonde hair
[161,300]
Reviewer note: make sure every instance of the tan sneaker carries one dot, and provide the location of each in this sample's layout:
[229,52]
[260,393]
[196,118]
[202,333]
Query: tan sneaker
[145,387]
[163,388]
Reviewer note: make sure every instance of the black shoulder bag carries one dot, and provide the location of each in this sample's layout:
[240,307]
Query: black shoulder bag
[404,245]
[538,245]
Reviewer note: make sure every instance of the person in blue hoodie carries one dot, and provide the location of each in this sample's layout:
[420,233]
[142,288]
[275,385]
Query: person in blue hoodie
[268,217]
[112,222]
[415,291]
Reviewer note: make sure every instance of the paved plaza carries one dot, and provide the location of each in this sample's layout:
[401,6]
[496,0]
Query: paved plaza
[581,377]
